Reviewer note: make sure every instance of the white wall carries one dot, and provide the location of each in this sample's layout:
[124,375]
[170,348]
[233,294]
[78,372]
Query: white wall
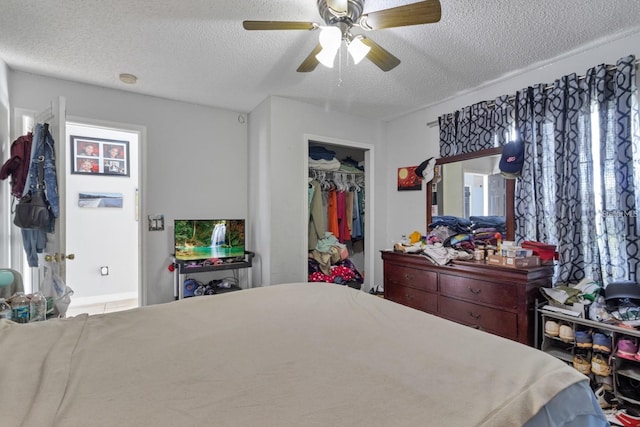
[5,148]
[196,159]
[278,129]
[411,140]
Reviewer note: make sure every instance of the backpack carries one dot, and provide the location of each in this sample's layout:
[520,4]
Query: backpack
[18,165]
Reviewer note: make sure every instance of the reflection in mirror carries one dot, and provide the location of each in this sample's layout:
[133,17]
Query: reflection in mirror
[472,187]
[484,192]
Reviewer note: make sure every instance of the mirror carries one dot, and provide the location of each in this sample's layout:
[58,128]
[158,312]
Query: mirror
[471,185]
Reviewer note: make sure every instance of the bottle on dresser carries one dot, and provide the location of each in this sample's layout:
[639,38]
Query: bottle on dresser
[20,308]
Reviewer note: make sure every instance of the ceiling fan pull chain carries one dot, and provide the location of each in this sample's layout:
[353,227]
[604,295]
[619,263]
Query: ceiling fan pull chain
[340,67]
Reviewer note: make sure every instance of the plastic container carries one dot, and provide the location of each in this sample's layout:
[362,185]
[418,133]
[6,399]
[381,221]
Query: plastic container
[5,309]
[37,308]
[20,308]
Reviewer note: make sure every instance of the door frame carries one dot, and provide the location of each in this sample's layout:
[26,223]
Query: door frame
[142,157]
[369,226]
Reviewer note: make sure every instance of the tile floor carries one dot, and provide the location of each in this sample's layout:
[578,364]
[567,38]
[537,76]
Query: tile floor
[107,307]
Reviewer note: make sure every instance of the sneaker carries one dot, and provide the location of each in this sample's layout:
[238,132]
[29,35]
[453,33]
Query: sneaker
[625,419]
[583,339]
[627,348]
[599,365]
[551,328]
[581,363]
[605,396]
[566,333]
[628,387]
[602,342]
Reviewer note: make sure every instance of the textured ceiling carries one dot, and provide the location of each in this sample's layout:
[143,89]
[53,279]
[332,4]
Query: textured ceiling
[197,50]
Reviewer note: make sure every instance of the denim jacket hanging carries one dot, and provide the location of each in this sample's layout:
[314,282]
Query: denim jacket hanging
[42,150]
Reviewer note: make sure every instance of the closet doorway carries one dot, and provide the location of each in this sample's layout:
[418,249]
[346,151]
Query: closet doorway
[352,153]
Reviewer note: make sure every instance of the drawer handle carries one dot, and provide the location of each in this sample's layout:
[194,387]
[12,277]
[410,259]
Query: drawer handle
[475,316]
[408,276]
[474,291]
[408,296]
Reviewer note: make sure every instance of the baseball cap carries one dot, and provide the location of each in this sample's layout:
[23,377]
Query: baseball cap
[512,159]
[425,169]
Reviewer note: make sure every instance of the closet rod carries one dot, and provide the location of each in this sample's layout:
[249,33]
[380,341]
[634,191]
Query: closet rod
[491,104]
[337,171]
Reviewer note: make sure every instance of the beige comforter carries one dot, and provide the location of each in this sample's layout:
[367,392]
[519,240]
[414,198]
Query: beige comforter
[285,355]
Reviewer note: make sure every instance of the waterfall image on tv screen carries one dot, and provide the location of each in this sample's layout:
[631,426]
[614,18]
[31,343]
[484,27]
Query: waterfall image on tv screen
[197,239]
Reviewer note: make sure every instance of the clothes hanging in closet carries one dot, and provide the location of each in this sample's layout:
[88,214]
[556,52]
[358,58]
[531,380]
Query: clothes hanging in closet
[342,201]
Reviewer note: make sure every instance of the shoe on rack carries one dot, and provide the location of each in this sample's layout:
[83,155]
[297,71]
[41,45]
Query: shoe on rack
[627,347]
[566,333]
[605,397]
[625,419]
[581,363]
[602,342]
[583,339]
[551,328]
[628,387]
[600,366]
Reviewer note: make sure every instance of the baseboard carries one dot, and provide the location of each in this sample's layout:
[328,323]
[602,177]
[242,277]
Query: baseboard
[102,299]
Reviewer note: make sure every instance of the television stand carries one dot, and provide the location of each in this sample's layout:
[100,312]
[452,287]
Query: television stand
[183,268]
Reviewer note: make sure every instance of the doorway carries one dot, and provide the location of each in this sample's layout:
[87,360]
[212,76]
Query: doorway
[103,227]
[363,257]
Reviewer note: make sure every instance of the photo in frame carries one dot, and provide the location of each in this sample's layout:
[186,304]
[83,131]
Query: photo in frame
[99,156]
[100,200]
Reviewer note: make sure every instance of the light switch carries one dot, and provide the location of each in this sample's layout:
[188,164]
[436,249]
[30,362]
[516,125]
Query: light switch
[156,222]
[104,271]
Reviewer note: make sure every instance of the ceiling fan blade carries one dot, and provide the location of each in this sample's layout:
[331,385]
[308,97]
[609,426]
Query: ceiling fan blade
[279,25]
[310,62]
[380,56]
[424,12]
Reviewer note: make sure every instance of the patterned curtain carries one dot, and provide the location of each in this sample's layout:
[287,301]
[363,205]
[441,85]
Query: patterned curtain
[468,130]
[582,201]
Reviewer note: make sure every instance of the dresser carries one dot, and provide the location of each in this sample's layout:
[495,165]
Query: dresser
[498,300]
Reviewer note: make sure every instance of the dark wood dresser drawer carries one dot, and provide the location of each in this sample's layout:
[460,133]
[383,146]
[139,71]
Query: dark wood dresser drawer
[414,298]
[412,277]
[499,294]
[489,319]
[498,300]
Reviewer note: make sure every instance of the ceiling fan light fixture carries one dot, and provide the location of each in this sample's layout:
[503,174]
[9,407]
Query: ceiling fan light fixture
[357,49]
[330,38]
[327,57]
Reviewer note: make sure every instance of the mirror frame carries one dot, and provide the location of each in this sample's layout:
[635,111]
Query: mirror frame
[510,188]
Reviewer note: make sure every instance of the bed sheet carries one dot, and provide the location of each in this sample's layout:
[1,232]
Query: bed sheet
[286,355]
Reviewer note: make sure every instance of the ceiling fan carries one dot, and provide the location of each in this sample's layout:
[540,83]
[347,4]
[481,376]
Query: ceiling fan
[340,16]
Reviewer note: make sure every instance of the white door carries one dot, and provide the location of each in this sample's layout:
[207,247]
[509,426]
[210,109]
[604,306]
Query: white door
[84,238]
[102,227]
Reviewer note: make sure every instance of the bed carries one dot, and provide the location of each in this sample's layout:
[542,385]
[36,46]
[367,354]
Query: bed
[304,354]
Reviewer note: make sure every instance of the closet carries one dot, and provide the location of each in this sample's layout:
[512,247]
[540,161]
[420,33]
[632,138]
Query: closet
[337,200]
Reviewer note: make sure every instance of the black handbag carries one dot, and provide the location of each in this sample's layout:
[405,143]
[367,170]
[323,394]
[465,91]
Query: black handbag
[33,210]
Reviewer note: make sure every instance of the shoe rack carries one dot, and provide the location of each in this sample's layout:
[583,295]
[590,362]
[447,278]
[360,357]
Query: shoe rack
[625,371]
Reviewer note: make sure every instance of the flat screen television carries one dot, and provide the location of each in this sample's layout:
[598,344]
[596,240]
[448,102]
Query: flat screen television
[199,239]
